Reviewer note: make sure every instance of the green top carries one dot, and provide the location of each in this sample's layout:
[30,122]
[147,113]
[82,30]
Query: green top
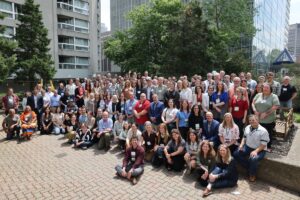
[265,103]
[207,163]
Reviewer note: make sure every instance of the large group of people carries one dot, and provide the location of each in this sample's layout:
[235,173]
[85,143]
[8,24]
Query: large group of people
[205,125]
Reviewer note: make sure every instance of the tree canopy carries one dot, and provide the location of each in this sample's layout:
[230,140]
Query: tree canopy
[33,58]
[170,37]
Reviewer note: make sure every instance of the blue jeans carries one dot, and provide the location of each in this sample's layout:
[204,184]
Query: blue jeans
[222,182]
[135,172]
[250,163]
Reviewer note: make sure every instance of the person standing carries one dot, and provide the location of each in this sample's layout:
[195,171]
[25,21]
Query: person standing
[140,111]
[287,95]
[10,101]
[155,111]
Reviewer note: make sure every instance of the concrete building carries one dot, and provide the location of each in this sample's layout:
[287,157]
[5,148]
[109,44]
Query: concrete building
[74,29]
[294,41]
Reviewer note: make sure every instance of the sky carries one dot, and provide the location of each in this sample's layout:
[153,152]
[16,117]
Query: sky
[105,12]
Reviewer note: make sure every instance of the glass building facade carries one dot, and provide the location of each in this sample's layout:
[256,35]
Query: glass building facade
[272,22]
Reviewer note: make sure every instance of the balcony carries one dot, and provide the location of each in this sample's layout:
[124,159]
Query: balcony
[68,46]
[72,27]
[72,8]
[73,66]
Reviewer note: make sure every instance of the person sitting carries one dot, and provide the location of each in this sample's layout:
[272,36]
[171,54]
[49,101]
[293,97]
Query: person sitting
[58,122]
[28,122]
[211,129]
[104,129]
[174,152]
[229,132]
[134,132]
[83,137]
[72,127]
[91,121]
[149,137]
[162,140]
[11,124]
[191,151]
[253,147]
[133,163]
[224,173]
[205,162]
[47,124]
[123,135]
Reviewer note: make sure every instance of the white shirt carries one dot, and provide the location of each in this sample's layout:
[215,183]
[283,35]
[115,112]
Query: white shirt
[71,88]
[186,94]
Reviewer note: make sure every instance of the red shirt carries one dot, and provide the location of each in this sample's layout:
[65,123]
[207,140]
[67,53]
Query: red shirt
[238,107]
[139,107]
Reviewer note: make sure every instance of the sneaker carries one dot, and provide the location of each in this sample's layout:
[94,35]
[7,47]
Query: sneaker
[84,148]
[206,192]
[134,181]
[252,178]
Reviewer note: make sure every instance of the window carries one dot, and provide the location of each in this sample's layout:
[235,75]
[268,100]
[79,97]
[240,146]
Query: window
[71,62]
[81,7]
[9,32]
[81,26]
[6,8]
[81,44]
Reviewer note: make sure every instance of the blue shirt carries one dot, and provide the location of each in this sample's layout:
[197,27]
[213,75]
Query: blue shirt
[223,97]
[129,105]
[102,125]
[55,101]
[183,118]
[156,111]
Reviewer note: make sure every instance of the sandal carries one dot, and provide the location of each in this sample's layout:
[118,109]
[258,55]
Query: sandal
[206,192]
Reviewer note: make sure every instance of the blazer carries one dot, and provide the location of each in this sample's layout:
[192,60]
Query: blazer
[211,135]
[144,90]
[40,102]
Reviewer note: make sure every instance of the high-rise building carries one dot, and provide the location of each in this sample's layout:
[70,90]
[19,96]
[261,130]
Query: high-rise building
[270,18]
[74,29]
[294,41]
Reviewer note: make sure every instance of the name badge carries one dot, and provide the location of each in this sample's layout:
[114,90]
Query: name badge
[263,101]
[210,103]
[236,109]
[199,103]
[71,128]
[217,100]
[133,156]
[186,120]
[140,105]
[284,89]
[159,91]
[197,126]
[162,145]
[130,108]
[148,143]
[139,92]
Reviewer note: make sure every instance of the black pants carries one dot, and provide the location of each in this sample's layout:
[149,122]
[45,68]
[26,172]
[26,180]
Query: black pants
[178,161]
[171,126]
[240,124]
[122,144]
[203,182]
[270,128]
[12,132]
[184,132]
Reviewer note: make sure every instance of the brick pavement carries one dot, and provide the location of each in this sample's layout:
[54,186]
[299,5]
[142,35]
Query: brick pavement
[46,168]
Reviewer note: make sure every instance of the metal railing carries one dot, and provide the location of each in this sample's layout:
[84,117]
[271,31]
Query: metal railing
[73,66]
[72,8]
[73,47]
[72,27]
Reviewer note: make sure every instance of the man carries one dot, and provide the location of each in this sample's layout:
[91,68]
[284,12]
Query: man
[148,90]
[211,129]
[172,94]
[36,103]
[11,124]
[64,100]
[156,109]
[55,99]
[104,129]
[140,111]
[10,101]
[129,106]
[160,90]
[207,101]
[208,81]
[227,83]
[236,84]
[287,94]
[274,84]
[133,163]
[61,89]
[253,147]
[250,82]
[71,88]
[113,88]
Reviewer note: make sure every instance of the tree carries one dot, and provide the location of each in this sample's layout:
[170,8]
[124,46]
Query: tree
[33,58]
[7,56]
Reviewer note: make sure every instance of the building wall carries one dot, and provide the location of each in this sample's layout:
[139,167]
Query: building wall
[294,41]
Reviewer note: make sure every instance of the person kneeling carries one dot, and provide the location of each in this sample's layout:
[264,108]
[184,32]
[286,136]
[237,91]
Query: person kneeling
[224,174]
[133,163]
[83,137]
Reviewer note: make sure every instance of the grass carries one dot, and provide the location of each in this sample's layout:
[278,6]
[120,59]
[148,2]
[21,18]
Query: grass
[297,117]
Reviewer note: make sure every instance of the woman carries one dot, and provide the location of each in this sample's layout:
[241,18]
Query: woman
[83,117]
[28,122]
[72,127]
[197,97]
[169,115]
[118,127]
[149,137]
[112,108]
[247,92]
[229,132]
[79,94]
[174,152]
[47,122]
[258,89]
[264,105]
[196,120]
[46,99]
[88,86]
[91,121]
[121,104]
[179,86]
[58,122]
[91,103]
[238,107]
[162,140]
[134,131]
[127,89]
[191,151]
[123,135]
[205,162]
[83,137]
[97,88]
[220,99]
[101,102]
[138,89]
[182,119]
[224,174]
